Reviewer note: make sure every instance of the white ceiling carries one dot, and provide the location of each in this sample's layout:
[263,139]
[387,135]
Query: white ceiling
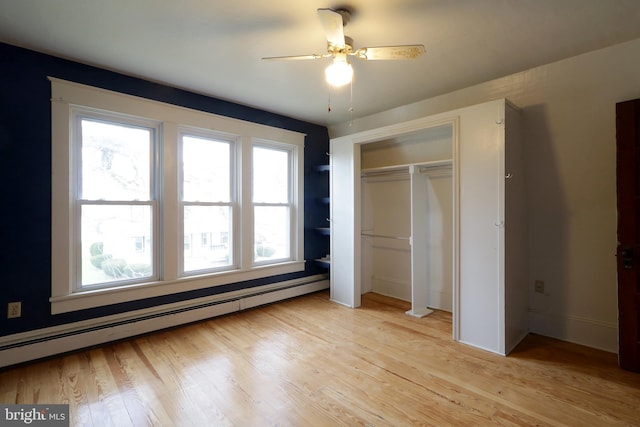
[215,47]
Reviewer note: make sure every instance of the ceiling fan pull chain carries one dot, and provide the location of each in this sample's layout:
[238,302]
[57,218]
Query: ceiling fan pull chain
[351,104]
[329,102]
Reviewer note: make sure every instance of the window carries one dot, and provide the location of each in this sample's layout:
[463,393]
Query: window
[115,199]
[151,199]
[207,202]
[272,204]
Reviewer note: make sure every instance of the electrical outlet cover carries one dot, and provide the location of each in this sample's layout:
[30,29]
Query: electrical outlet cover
[14,309]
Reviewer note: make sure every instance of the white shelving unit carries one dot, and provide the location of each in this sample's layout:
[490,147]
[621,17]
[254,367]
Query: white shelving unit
[325,261]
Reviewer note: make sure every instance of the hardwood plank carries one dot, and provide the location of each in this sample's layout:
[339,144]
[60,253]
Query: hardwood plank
[310,362]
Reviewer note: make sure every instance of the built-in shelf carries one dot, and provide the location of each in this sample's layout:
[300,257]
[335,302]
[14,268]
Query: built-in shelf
[325,231]
[325,261]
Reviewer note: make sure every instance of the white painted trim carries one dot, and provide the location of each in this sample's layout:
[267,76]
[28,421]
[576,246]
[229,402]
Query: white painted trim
[576,329]
[455,278]
[66,92]
[27,346]
[489,349]
[106,296]
[64,296]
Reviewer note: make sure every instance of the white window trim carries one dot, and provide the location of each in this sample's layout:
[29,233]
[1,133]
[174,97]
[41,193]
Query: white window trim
[67,94]
[76,114]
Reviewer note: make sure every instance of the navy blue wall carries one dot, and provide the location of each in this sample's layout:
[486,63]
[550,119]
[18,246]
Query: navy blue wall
[25,181]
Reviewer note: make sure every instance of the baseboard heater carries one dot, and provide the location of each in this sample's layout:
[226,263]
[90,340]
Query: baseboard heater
[32,345]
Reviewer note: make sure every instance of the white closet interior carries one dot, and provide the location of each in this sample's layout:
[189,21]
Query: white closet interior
[407,218]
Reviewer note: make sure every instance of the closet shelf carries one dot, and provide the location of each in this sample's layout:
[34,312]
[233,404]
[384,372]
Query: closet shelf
[385,236]
[405,168]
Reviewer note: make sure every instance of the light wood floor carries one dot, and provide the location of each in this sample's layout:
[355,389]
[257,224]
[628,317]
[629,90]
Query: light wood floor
[310,362]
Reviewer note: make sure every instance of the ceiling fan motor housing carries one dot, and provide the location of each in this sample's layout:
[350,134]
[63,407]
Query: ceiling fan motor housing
[346,49]
[345,12]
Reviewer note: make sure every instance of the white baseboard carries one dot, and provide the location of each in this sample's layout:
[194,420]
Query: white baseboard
[394,287]
[509,346]
[28,346]
[578,330]
[490,350]
[517,340]
[441,300]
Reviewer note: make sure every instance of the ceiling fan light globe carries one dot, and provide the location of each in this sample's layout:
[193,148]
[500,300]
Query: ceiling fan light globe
[339,73]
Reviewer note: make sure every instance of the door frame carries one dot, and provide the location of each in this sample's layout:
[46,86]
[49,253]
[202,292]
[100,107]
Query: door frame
[628,232]
[349,209]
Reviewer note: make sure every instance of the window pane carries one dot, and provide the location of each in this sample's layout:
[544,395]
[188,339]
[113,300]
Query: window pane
[206,167]
[271,231]
[116,243]
[115,161]
[207,237]
[270,175]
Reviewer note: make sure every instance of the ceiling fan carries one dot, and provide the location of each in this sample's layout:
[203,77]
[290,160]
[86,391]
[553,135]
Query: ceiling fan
[339,47]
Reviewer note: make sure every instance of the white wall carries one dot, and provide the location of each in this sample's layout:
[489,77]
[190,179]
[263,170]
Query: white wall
[569,135]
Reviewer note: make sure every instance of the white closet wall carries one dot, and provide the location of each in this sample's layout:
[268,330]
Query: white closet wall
[386,228]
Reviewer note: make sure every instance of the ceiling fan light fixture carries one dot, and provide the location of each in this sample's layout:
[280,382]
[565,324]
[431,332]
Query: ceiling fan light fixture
[339,73]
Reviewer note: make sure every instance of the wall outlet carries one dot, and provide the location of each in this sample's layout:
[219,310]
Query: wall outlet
[14,309]
[538,286]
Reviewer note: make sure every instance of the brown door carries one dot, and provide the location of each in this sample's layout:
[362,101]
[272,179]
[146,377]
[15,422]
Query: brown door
[628,251]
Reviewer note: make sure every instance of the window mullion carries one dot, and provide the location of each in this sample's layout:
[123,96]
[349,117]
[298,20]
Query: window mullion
[170,212]
[243,175]
[272,204]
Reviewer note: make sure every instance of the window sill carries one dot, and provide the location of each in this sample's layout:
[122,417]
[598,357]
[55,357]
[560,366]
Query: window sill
[101,297]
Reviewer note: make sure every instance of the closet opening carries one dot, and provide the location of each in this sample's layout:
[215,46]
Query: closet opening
[407,218]
[484,274]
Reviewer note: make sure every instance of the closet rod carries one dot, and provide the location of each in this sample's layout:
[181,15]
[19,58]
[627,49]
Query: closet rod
[385,236]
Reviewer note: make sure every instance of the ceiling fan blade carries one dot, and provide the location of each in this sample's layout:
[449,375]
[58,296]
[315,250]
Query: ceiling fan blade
[295,57]
[333,27]
[390,52]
